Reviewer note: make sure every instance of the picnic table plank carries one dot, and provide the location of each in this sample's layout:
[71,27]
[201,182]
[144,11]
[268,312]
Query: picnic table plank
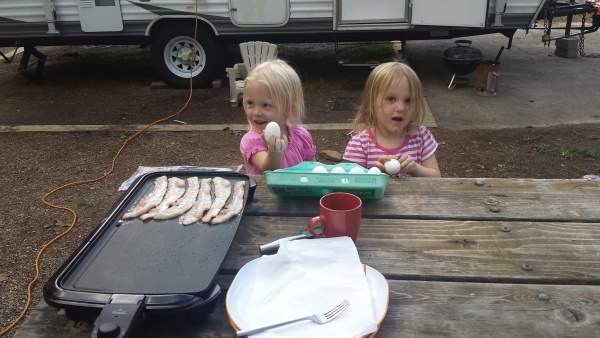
[416,308]
[458,199]
[486,251]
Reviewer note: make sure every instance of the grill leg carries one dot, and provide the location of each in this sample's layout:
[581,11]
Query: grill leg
[452,84]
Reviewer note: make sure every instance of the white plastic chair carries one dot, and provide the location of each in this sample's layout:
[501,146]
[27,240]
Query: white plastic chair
[253,53]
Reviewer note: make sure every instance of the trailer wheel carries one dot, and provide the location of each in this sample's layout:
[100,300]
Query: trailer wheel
[172,57]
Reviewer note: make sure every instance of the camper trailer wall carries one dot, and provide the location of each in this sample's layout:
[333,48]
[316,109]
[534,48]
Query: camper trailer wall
[167,25]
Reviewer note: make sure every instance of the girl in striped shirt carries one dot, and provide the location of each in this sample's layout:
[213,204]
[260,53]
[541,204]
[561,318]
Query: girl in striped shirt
[388,124]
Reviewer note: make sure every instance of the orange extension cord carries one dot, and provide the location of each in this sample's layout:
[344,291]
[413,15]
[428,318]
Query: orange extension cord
[114,160]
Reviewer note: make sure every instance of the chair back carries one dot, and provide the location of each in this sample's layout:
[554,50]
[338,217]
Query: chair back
[256,52]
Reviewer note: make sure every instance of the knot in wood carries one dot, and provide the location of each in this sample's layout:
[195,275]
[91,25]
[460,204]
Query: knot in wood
[527,267]
[491,201]
[505,229]
[543,296]
[573,315]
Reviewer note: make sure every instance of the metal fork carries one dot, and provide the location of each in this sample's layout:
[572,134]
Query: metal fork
[320,318]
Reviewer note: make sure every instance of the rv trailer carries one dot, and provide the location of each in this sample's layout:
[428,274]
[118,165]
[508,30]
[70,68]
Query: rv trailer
[168,25]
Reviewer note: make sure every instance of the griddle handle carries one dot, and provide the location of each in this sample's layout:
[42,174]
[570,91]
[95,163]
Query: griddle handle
[251,189]
[120,317]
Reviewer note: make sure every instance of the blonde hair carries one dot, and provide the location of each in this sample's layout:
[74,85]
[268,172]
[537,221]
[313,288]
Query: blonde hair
[284,85]
[378,83]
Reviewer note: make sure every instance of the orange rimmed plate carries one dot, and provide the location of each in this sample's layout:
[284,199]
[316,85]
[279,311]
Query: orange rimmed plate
[237,301]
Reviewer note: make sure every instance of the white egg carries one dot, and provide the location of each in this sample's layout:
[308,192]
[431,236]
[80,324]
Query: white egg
[272,129]
[392,166]
[374,170]
[357,170]
[338,170]
[319,169]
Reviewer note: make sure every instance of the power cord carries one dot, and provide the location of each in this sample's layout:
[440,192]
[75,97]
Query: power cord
[112,168]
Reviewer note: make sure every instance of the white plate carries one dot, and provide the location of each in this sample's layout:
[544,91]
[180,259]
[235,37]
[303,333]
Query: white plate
[236,302]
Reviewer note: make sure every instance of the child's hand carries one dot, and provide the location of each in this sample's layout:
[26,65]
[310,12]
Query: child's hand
[381,161]
[407,164]
[277,145]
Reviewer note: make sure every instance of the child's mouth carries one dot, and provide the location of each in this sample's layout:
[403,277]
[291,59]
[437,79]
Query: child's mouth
[397,119]
[260,123]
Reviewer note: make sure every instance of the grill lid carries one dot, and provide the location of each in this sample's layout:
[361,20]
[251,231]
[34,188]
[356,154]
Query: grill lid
[463,52]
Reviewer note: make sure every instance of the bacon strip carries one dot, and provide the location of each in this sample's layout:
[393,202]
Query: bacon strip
[202,204]
[235,207]
[175,189]
[184,203]
[149,201]
[222,192]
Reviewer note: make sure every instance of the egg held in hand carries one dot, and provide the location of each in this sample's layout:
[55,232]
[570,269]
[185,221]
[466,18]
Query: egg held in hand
[272,129]
[392,166]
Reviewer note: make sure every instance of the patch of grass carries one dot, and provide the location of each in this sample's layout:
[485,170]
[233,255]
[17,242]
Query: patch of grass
[566,153]
[80,201]
[119,134]
[532,137]
[380,51]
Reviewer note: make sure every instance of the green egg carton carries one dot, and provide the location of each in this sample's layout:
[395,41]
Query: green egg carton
[299,180]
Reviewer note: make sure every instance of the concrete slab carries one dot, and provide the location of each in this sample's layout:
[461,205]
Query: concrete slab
[536,88]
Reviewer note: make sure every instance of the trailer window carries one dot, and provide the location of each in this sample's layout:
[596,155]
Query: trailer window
[105,2]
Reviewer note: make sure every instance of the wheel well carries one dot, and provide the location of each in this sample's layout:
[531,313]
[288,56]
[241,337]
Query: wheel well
[161,23]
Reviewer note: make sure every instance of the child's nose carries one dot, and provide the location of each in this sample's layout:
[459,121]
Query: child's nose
[400,106]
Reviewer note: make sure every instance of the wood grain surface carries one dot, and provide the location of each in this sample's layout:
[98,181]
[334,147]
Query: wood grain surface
[455,268]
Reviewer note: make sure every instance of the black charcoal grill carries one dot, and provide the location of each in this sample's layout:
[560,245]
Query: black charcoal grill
[126,268]
[461,60]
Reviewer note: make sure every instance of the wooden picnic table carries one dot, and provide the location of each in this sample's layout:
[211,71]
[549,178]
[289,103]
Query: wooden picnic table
[463,257]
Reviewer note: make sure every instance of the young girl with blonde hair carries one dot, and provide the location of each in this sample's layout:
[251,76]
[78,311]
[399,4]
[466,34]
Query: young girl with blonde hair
[273,93]
[388,124]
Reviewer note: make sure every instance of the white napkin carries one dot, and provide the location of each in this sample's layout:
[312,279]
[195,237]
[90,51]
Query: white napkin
[312,276]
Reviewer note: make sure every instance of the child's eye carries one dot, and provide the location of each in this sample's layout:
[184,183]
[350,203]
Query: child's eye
[407,101]
[391,99]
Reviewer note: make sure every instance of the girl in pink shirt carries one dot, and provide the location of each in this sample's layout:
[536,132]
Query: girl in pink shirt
[273,93]
[388,124]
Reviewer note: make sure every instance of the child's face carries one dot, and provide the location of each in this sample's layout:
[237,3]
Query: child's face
[260,108]
[395,111]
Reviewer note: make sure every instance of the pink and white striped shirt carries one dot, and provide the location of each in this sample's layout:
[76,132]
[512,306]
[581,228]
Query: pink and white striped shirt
[364,150]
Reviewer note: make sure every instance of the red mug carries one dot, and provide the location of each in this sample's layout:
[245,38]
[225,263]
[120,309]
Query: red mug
[340,214]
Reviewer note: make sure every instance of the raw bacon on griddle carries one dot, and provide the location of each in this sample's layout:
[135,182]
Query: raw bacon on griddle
[151,200]
[184,203]
[233,208]
[175,189]
[202,204]
[222,190]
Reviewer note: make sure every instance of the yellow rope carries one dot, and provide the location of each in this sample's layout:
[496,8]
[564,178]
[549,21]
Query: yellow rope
[112,168]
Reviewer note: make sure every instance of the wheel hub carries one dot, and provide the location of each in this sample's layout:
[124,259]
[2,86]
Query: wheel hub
[184,55]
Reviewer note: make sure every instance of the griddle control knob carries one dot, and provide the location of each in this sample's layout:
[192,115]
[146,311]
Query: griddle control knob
[109,330]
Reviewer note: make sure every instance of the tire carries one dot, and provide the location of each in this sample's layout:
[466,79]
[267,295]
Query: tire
[173,44]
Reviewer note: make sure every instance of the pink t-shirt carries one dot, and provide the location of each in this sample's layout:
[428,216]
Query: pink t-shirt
[300,148]
[364,150]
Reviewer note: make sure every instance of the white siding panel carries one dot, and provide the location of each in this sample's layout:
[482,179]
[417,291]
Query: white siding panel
[311,9]
[28,11]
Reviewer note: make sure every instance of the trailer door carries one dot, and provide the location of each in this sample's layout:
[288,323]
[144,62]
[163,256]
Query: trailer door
[455,13]
[100,15]
[259,12]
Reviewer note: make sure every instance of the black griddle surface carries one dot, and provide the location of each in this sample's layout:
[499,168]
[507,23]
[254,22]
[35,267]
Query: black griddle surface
[156,256]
